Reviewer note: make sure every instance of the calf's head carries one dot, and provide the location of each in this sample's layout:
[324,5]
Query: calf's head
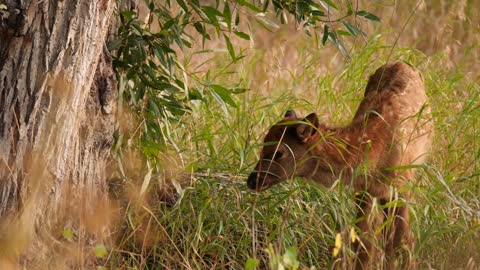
[286,149]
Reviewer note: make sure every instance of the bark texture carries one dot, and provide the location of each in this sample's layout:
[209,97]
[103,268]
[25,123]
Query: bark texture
[57,94]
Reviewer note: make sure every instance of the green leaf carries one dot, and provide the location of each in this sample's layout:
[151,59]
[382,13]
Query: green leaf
[329,4]
[182,4]
[249,5]
[318,13]
[212,11]
[230,48]
[333,38]
[242,35]
[367,15]
[227,14]
[266,21]
[200,29]
[238,90]
[237,18]
[265,6]
[100,251]
[114,44]
[325,34]
[212,14]
[195,94]
[263,25]
[128,14]
[343,33]
[220,89]
[349,8]
[151,73]
[168,24]
[351,28]
[251,264]
[224,94]
[303,8]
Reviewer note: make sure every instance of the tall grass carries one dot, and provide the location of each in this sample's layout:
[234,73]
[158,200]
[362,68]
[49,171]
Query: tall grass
[216,223]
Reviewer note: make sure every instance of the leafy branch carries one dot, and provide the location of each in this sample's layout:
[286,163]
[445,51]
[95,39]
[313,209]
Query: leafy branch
[159,88]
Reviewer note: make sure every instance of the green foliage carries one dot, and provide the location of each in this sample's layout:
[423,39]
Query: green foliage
[325,14]
[151,79]
[160,89]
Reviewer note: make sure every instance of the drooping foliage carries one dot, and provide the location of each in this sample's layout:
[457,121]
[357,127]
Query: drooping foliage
[159,88]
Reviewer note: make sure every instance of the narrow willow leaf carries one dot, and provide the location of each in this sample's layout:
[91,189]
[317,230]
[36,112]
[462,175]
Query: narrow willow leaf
[230,49]
[325,34]
[242,35]
[182,4]
[351,28]
[212,11]
[227,14]
[367,15]
[318,13]
[329,4]
[249,5]
[224,94]
[267,21]
[200,29]
[344,33]
[263,25]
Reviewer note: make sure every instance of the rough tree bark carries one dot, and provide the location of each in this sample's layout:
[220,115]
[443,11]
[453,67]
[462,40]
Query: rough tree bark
[57,94]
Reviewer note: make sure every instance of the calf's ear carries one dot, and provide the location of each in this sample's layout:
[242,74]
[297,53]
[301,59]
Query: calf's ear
[308,128]
[291,113]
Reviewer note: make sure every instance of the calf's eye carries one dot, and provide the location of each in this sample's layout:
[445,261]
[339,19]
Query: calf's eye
[278,155]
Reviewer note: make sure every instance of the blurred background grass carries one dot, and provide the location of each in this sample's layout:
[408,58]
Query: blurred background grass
[216,223]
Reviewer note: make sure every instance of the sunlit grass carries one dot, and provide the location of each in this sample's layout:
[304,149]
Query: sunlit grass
[217,223]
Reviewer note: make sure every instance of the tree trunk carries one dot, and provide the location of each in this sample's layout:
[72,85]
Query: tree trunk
[57,95]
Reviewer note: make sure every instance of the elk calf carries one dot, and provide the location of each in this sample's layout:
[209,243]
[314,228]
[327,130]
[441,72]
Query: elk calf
[391,128]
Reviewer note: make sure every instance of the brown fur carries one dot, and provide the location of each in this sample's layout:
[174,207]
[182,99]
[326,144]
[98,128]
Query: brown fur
[391,128]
